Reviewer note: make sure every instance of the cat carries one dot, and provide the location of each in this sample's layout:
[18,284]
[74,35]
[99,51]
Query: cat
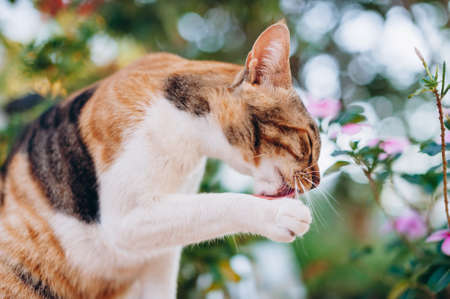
[98,195]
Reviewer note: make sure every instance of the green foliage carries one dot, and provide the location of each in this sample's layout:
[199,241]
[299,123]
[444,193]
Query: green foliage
[431,148]
[352,115]
[418,272]
[428,181]
[439,279]
[58,56]
[432,82]
[336,167]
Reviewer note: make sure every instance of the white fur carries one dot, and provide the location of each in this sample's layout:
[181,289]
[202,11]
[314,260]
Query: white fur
[149,210]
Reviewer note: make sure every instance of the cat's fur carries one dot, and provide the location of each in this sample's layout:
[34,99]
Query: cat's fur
[98,195]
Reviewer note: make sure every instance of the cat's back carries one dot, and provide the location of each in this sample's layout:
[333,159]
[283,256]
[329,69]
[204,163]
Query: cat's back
[162,65]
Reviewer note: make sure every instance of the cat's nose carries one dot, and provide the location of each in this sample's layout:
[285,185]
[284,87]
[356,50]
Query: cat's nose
[308,178]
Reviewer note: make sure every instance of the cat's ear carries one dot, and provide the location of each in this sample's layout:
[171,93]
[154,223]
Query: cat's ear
[268,61]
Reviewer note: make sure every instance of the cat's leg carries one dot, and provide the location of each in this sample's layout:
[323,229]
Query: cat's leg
[159,279]
[162,222]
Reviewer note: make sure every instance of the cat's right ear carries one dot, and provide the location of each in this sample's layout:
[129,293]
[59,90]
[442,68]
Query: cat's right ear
[268,61]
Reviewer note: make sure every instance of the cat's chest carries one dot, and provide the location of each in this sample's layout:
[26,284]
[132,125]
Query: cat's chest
[142,168]
[193,179]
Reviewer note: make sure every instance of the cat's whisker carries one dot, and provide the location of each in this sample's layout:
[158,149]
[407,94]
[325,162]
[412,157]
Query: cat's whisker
[317,186]
[310,166]
[296,244]
[297,193]
[309,172]
[311,205]
[310,181]
[327,196]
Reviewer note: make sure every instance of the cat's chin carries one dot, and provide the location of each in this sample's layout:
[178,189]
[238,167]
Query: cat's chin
[282,193]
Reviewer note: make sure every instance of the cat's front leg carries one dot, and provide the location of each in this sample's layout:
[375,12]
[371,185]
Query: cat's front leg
[162,222]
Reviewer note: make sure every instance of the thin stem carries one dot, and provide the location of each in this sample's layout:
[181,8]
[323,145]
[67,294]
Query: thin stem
[444,160]
[441,121]
[373,186]
[376,194]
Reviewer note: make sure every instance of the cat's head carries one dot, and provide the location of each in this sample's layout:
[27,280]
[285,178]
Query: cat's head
[266,121]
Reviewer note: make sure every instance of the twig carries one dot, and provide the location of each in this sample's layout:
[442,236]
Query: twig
[373,186]
[376,195]
[443,145]
[432,85]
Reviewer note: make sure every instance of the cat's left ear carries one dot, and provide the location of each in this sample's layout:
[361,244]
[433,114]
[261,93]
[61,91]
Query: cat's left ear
[268,61]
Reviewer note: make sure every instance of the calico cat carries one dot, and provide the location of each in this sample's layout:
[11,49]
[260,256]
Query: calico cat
[99,194]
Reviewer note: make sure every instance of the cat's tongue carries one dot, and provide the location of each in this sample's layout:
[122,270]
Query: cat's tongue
[290,193]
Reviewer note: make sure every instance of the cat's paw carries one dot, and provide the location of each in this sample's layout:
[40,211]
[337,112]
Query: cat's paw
[288,218]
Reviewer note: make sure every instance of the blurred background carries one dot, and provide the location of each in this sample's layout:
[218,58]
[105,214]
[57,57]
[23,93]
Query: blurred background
[344,53]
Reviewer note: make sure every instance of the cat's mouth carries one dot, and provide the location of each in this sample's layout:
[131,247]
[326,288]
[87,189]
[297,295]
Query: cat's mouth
[283,191]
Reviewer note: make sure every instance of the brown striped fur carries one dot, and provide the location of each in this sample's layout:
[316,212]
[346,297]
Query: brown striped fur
[29,248]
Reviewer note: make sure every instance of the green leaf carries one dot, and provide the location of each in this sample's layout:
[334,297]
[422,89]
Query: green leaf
[443,80]
[371,153]
[354,144]
[395,244]
[439,279]
[436,73]
[340,153]
[446,90]
[431,84]
[382,176]
[429,181]
[434,168]
[351,115]
[398,289]
[356,254]
[447,124]
[336,167]
[396,270]
[431,148]
[418,92]
[410,293]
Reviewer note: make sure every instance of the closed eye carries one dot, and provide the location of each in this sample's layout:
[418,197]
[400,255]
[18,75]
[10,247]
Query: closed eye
[277,143]
[310,150]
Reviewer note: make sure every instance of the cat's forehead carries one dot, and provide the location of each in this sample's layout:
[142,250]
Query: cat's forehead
[282,102]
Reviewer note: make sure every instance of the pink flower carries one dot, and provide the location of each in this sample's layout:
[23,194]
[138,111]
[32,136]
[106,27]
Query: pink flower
[394,145]
[333,134]
[443,234]
[411,225]
[323,108]
[383,156]
[373,142]
[352,129]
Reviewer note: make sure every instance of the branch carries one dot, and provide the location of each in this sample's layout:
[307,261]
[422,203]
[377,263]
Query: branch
[432,85]
[444,160]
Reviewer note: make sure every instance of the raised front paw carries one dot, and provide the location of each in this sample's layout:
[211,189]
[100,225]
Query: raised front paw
[288,218]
